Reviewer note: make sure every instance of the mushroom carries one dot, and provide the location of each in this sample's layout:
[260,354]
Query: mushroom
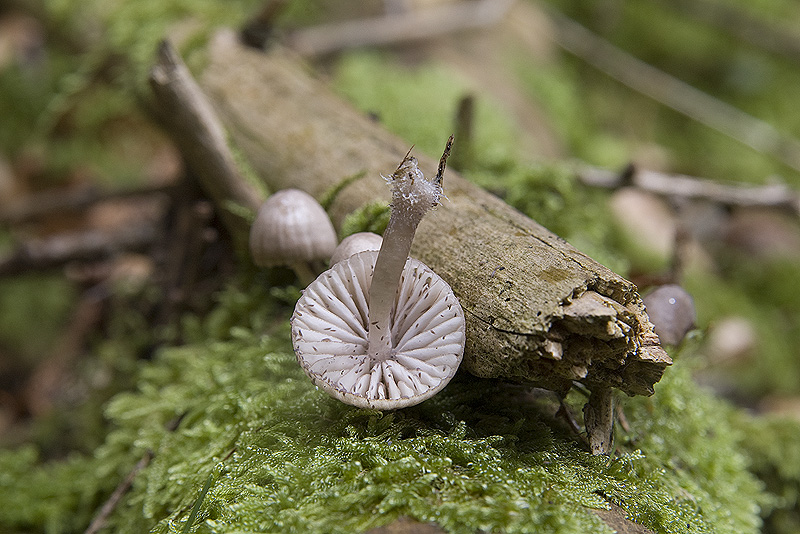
[292,229]
[671,310]
[381,330]
[358,242]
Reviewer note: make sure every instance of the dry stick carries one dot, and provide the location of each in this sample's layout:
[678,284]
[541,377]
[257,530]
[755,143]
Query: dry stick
[93,245]
[200,137]
[72,200]
[100,520]
[538,311]
[778,196]
[464,125]
[258,31]
[674,93]
[396,28]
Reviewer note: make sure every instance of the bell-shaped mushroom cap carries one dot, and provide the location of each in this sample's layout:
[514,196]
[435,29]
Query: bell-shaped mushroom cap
[291,227]
[355,243]
[671,310]
[330,335]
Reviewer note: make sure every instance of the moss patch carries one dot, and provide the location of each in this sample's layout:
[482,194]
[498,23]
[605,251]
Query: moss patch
[482,455]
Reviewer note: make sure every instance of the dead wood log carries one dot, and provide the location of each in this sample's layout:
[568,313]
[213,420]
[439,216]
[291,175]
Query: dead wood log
[538,310]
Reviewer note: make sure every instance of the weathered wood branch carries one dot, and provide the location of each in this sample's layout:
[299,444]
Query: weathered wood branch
[93,245]
[200,136]
[679,186]
[394,28]
[538,310]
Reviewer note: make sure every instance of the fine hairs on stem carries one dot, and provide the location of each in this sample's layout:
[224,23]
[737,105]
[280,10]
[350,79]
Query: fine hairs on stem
[412,196]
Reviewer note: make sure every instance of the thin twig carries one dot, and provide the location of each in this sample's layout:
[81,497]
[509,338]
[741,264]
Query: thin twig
[443,161]
[100,520]
[396,28]
[565,413]
[259,30]
[93,245]
[778,196]
[72,200]
[201,138]
[47,382]
[674,93]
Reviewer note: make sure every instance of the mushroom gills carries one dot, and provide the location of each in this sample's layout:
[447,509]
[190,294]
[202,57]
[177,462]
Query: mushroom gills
[330,335]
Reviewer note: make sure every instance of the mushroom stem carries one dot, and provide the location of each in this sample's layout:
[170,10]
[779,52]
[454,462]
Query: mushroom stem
[305,272]
[412,197]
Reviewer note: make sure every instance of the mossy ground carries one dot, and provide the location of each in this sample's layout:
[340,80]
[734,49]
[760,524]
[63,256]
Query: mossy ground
[285,457]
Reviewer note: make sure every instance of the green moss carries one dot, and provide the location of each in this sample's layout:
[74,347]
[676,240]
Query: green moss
[773,445]
[371,217]
[284,455]
[419,104]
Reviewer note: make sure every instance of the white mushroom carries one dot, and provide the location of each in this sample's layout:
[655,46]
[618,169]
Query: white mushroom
[292,229]
[381,330]
[358,242]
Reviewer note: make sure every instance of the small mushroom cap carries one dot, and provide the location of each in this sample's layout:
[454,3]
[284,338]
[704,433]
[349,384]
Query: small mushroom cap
[291,227]
[354,244]
[330,333]
[671,310]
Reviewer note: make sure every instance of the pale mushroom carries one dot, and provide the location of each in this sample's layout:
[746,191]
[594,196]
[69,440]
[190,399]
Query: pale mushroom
[671,310]
[355,243]
[381,330]
[292,229]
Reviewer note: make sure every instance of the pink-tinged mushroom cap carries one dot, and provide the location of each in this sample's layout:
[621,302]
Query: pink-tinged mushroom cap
[330,335]
[355,243]
[291,228]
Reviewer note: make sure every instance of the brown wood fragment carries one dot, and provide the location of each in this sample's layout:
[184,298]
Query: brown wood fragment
[679,186]
[396,28]
[598,417]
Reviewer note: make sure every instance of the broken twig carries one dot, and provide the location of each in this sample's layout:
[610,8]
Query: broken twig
[688,187]
[674,93]
[73,200]
[100,520]
[202,139]
[396,28]
[93,245]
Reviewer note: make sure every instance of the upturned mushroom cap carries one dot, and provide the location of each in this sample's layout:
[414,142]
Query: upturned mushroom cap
[291,227]
[355,243]
[330,335]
